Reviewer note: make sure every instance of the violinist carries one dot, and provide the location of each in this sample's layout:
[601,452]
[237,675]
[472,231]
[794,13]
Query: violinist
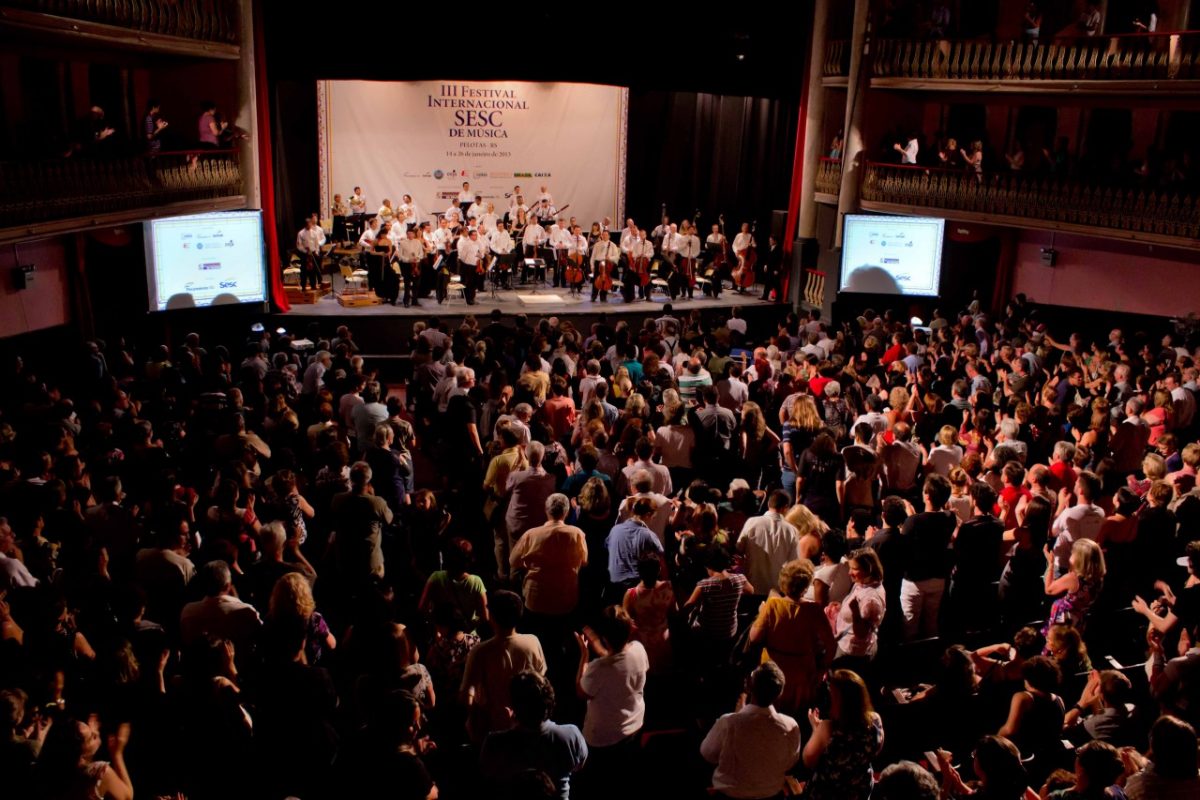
[605,255]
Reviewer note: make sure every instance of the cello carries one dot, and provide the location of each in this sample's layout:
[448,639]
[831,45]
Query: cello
[743,273]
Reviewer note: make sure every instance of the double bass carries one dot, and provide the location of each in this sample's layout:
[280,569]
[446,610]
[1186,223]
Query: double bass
[743,273]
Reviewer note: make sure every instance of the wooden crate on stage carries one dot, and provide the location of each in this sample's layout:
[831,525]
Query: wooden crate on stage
[305,297]
[356,299]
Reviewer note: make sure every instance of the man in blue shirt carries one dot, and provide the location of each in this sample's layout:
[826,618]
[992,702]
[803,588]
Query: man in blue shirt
[628,543]
[534,744]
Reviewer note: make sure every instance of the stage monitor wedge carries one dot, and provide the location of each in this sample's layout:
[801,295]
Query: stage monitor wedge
[892,255]
[203,260]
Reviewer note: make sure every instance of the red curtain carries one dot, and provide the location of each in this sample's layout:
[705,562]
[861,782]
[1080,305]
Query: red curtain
[793,215]
[266,169]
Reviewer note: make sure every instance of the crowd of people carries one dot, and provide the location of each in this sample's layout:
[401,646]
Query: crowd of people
[675,555]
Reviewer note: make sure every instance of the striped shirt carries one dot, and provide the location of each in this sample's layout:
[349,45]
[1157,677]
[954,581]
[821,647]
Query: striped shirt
[719,598]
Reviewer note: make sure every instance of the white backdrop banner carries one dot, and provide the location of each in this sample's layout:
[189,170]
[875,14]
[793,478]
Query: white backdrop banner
[426,138]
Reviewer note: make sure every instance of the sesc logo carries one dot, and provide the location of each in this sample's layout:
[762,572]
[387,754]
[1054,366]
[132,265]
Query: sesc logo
[228,284]
[437,173]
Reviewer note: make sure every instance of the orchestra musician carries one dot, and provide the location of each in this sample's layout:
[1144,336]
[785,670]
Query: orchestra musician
[386,213]
[386,274]
[560,241]
[687,251]
[772,270]
[453,215]
[544,195]
[577,253]
[408,213]
[488,220]
[476,209]
[428,278]
[594,233]
[532,240]
[465,197]
[545,213]
[514,200]
[743,243]
[308,245]
[340,211]
[471,250]
[666,251]
[660,232]
[501,243]
[411,252]
[605,255]
[640,253]
[715,247]
[443,239]
[358,203]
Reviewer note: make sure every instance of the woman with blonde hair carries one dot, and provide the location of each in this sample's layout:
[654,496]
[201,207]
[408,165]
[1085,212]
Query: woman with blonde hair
[947,455]
[799,431]
[811,529]
[292,599]
[1078,588]
[622,384]
[796,635]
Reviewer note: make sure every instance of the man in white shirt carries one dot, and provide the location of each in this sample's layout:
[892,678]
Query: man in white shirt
[908,152]
[578,253]
[687,250]
[545,213]
[768,542]
[358,203]
[408,213]
[628,234]
[641,484]
[308,244]
[1183,401]
[501,243]
[743,242]
[465,198]
[559,238]
[755,746]
[314,374]
[411,250]
[488,220]
[470,250]
[367,240]
[605,255]
[1080,521]
[639,253]
[219,614]
[544,194]
[476,210]
[532,241]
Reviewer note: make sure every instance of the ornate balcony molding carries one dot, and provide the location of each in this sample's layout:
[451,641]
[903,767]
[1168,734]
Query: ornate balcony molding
[1036,202]
[829,180]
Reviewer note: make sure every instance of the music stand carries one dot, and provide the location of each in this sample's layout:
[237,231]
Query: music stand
[535,264]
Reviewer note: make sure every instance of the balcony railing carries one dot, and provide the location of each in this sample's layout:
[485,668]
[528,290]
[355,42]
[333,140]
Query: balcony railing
[1134,57]
[829,176]
[1038,202]
[207,20]
[34,192]
[837,59]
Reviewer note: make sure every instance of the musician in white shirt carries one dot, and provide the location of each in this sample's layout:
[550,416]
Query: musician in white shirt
[367,240]
[627,234]
[308,243]
[453,215]
[476,209]
[386,212]
[533,239]
[358,203]
[559,238]
[668,246]
[470,250]
[408,212]
[465,198]
[639,248]
[411,251]
[743,241]
[605,255]
[501,243]
[544,195]
[687,250]
[488,220]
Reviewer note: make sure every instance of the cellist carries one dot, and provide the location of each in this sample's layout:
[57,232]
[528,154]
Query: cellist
[577,253]
[641,251]
[605,255]
[716,247]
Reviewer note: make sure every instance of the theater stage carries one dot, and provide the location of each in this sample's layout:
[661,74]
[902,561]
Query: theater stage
[385,329]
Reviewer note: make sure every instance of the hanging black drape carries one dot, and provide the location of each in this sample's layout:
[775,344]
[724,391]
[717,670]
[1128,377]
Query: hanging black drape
[716,153]
[294,139]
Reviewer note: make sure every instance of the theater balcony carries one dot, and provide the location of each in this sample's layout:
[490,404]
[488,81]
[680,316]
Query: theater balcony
[199,28]
[63,194]
[1159,63]
[1027,201]
[829,180]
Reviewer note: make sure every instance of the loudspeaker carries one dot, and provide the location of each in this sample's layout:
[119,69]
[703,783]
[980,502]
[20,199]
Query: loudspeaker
[778,223]
[1049,256]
